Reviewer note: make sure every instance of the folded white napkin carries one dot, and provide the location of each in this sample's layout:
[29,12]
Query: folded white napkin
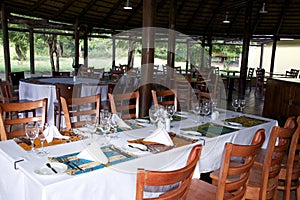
[161,136]
[94,153]
[52,132]
[120,122]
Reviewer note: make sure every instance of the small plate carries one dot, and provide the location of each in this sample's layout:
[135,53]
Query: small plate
[135,148]
[144,121]
[233,124]
[194,133]
[44,170]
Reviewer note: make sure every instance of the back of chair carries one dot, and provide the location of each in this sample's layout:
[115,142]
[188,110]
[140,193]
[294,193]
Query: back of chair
[78,111]
[15,114]
[277,146]
[6,89]
[250,73]
[233,178]
[165,97]
[15,77]
[127,104]
[181,176]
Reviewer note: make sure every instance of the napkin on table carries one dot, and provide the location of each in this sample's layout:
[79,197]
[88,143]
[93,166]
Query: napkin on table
[120,122]
[52,132]
[93,152]
[161,136]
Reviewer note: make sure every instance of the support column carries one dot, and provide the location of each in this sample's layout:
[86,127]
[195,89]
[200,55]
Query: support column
[172,37]
[148,38]
[85,53]
[5,42]
[262,47]
[273,54]
[113,52]
[245,51]
[31,41]
[187,56]
[76,33]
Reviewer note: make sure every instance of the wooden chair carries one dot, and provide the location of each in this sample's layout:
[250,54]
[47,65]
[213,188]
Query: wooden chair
[7,94]
[14,79]
[165,97]
[260,81]
[263,180]
[232,176]
[78,111]
[67,91]
[290,168]
[12,117]
[182,177]
[127,104]
[249,78]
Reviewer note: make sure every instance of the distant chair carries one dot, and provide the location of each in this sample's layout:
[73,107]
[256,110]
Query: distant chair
[260,81]
[249,78]
[165,97]
[14,78]
[7,94]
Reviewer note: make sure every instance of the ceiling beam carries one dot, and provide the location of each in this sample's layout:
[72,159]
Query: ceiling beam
[193,17]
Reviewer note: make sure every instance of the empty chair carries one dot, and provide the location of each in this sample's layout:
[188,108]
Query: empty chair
[182,177]
[64,90]
[78,111]
[249,78]
[13,118]
[7,94]
[232,176]
[165,97]
[14,78]
[127,104]
[260,81]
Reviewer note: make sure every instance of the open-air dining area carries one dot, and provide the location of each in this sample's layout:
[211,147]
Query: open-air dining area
[198,107]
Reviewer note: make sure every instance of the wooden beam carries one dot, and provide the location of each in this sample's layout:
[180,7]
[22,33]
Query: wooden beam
[31,46]
[5,41]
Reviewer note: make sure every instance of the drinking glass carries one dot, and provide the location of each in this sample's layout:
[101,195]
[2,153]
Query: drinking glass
[92,126]
[153,114]
[196,110]
[171,111]
[40,129]
[242,104]
[31,132]
[205,110]
[105,114]
[236,104]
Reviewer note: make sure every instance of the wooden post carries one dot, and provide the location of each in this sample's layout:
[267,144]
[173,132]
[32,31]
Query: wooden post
[245,51]
[113,52]
[31,41]
[273,54]
[76,34]
[5,42]
[85,53]
[171,39]
[149,8]
[187,55]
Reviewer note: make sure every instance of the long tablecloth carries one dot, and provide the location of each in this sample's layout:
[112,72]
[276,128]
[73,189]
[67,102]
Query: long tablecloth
[117,181]
[37,90]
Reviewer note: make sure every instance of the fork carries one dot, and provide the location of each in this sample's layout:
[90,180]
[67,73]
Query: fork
[74,165]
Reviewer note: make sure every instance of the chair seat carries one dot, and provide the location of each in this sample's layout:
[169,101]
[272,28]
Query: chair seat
[202,190]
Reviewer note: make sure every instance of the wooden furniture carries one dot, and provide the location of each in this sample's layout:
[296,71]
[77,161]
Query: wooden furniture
[282,98]
[14,78]
[263,180]
[165,97]
[12,117]
[232,179]
[7,93]
[67,91]
[127,104]
[249,78]
[182,177]
[78,111]
[290,169]
[260,81]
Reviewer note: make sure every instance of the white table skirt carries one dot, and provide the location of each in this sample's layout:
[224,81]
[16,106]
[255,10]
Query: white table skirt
[33,91]
[115,182]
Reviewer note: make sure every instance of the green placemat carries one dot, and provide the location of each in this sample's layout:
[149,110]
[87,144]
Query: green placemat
[210,129]
[246,121]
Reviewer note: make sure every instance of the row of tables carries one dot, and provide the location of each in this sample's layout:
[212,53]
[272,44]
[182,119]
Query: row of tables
[116,181]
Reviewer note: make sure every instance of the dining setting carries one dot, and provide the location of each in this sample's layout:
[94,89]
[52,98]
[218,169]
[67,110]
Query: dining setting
[97,144]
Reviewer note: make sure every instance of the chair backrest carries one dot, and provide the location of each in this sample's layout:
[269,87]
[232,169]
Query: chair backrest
[78,111]
[277,146]
[15,77]
[165,97]
[61,74]
[127,104]
[67,91]
[6,90]
[234,178]
[250,73]
[260,75]
[182,177]
[13,117]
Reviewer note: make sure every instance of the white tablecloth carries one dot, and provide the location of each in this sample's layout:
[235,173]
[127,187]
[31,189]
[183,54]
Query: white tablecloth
[115,182]
[34,91]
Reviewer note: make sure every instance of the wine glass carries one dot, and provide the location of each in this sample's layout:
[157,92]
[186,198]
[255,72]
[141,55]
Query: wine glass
[42,137]
[205,109]
[236,104]
[171,111]
[196,110]
[242,104]
[153,114]
[31,133]
[92,126]
[105,114]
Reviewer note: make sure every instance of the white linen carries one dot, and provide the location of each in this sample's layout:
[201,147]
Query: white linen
[161,136]
[52,132]
[94,153]
[114,182]
[120,122]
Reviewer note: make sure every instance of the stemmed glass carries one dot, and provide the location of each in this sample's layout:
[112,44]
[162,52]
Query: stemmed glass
[196,110]
[205,109]
[40,129]
[92,126]
[236,104]
[31,132]
[153,114]
[242,104]
[171,111]
[105,127]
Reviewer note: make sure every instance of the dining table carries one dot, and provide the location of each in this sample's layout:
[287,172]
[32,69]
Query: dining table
[44,87]
[21,178]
